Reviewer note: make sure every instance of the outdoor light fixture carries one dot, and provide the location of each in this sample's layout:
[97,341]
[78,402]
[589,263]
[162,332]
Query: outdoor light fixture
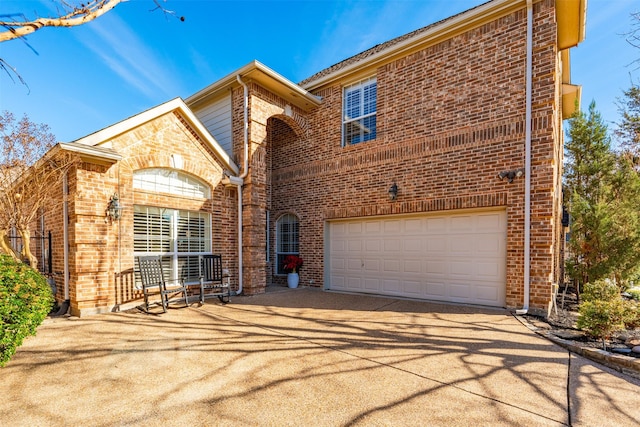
[511,175]
[393,192]
[114,210]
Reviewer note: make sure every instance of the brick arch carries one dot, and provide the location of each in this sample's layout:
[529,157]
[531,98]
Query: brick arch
[203,173]
[295,125]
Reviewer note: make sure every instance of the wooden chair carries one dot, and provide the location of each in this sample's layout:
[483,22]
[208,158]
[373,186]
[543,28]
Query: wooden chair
[213,279]
[152,276]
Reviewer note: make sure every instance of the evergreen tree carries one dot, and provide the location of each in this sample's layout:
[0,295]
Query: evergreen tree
[604,195]
[628,131]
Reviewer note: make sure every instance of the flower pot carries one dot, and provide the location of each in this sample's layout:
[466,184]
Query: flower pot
[292,280]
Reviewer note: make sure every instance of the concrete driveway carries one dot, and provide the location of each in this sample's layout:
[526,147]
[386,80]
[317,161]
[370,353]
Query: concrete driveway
[305,357]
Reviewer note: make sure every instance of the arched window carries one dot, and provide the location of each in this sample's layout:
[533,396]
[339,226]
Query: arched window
[287,239]
[170,181]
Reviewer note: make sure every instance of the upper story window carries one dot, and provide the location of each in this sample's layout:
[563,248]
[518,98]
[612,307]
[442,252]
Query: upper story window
[359,112]
[170,181]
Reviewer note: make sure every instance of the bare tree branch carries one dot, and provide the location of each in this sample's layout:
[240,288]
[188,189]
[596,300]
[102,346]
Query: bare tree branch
[78,15]
[29,169]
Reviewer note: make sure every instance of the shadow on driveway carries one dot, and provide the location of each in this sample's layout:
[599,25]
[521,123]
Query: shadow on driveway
[309,358]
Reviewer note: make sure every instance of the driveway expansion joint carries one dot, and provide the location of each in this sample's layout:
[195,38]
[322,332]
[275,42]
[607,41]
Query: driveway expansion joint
[624,364]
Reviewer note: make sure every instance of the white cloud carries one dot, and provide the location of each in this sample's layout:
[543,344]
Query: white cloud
[129,57]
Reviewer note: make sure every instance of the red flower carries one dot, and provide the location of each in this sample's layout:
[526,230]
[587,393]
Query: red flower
[292,263]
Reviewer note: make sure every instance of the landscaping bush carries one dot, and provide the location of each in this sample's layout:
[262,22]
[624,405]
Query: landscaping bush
[603,311]
[25,301]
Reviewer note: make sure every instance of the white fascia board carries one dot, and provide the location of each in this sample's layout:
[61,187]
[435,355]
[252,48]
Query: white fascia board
[245,71]
[91,151]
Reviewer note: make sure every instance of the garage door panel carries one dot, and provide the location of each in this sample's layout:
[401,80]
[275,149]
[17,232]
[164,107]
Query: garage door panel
[489,244]
[412,245]
[412,288]
[461,269]
[413,225]
[459,290]
[436,224]
[458,257]
[392,266]
[372,284]
[354,245]
[461,245]
[412,266]
[491,222]
[338,264]
[373,245]
[354,228]
[436,290]
[461,223]
[487,293]
[353,282]
[488,270]
[391,286]
[372,265]
[392,245]
[338,245]
[436,244]
[354,264]
[435,268]
[392,226]
[373,227]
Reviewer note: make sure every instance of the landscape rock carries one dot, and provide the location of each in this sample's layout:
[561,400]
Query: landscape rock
[568,334]
[632,342]
[636,349]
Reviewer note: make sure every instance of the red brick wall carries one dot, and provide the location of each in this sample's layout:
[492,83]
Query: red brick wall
[450,118]
[101,257]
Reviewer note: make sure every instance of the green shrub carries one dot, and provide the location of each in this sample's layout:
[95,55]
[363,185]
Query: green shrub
[602,311]
[631,315]
[25,301]
[635,293]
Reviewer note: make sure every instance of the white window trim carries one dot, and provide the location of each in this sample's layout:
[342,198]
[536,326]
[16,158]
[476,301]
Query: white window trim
[173,251]
[171,181]
[358,85]
[278,252]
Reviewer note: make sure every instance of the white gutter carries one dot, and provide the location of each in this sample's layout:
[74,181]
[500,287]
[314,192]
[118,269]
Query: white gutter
[238,181]
[527,164]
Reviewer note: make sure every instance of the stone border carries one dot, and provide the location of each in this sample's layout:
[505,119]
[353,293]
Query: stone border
[624,364]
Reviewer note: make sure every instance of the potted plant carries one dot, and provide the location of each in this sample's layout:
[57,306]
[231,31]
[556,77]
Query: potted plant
[292,264]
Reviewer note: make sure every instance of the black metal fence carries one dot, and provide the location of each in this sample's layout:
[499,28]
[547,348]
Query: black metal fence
[41,249]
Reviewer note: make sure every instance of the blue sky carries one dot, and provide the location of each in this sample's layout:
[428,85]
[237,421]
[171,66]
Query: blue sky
[85,78]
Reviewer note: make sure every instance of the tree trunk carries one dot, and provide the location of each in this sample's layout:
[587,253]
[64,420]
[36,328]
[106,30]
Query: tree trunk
[5,245]
[26,248]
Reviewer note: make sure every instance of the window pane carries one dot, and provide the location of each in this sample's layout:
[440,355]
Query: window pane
[151,230]
[287,240]
[359,112]
[188,268]
[170,181]
[369,128]
[180,236]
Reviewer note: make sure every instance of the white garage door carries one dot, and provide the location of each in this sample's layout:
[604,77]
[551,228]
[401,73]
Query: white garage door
[457,257]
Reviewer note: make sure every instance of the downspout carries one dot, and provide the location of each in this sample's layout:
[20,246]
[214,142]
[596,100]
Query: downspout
[527,163]
[65,234]
[238,181]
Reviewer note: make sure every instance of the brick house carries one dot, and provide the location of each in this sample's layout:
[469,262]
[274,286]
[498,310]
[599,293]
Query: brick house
[462,119]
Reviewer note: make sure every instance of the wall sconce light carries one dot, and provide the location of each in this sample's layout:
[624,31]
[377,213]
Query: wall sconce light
[114,209]
[511,175]
[393,192]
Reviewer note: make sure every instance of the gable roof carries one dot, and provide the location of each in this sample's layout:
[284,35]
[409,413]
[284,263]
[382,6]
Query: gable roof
[572,12]
[96,139]
[264,76]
